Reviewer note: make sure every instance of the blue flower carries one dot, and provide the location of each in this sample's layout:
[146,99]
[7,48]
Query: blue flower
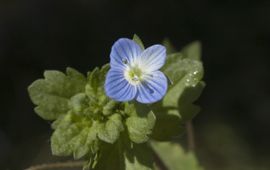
[134,73]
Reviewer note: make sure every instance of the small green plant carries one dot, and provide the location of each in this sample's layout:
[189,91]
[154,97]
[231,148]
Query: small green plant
[117,133]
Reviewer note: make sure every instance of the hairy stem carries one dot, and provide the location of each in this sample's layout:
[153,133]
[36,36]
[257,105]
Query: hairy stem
[57,165]
[190,136]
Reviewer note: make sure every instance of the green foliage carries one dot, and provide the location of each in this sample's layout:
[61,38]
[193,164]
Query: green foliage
[193,50]
[140,124]
[169,47]
[124,155]
[52,93]
[185,72]
[174,157]
[137,39]
[74,135]
[110,131]
[113,135]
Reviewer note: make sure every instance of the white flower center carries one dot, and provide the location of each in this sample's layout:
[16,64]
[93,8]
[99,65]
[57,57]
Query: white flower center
[134,75]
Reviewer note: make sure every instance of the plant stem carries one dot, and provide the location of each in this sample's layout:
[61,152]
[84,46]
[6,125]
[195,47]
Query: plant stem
[57,165]
[190,136]
[159,162]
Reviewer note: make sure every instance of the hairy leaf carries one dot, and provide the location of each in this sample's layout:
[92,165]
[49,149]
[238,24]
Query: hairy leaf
[52,94]
[95,91]
[110,131]
[185,72]
[74,135]
[124,155]
[140,124]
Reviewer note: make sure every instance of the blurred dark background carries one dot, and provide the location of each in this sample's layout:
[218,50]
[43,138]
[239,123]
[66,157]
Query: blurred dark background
[233,129]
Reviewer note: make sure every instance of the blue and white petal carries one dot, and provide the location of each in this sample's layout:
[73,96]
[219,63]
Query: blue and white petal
[153,88]
[124,51]
[117,87]
[152,58]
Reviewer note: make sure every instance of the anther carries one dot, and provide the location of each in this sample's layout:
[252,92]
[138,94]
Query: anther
[135,78]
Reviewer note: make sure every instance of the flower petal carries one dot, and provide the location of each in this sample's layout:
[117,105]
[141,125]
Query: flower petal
[124,51]
[117,87]
[153,88]
[153,58]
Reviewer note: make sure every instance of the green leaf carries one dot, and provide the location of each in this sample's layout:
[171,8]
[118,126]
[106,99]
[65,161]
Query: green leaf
[109,108]
[74,135]
[171,58]
[184,73]
[95,90]
[51,94]
[123,155]
[174,157]
[186,88]
[96,79]
[140,125]
[99,103]
[186,109]
[168,125]
[177,105]
[110,158]
[139,157]
[110,131]
[168,45]
[192,51]
[137,39]
[79,103]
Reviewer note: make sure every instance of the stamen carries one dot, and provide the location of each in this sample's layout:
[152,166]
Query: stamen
[135,78]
